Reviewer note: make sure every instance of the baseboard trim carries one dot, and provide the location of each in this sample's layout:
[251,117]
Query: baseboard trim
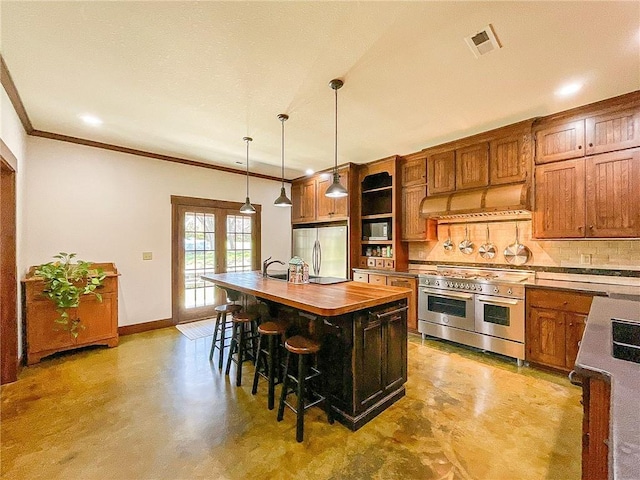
[145,327]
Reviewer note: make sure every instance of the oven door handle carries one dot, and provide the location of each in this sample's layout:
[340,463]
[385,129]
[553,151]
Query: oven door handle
[501,301]
[457,296]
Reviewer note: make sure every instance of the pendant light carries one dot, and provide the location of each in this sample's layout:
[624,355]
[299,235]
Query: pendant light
[247,207]
[336,190]
[282,200]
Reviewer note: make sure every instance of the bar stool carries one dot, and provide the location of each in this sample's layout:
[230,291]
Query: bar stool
[303,348]
[269,358]
[220,329]
[242,322]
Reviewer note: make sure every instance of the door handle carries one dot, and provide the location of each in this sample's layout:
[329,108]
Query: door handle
[457,296]
[497,302]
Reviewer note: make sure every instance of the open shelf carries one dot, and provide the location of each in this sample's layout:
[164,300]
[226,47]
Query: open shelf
[377,216]
[377,242]
[376,190]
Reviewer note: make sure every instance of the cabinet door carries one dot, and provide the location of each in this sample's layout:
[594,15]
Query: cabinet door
[546,340]
[559,208]
[560,142]
[341,205]
[472,166]
[43,333]
[395,354]
[297,212]
[613,201]
[575,328]
[370,364]
[97,318]
[410,283]
[414,172]
[596,395]
[615,131]
[325,204]
[509,160]
[414,227]
[441,173]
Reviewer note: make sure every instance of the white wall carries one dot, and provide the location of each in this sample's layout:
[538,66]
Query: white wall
[15,138]
[110,207]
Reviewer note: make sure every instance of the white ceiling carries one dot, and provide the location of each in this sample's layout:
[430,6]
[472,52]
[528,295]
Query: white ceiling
[190,79]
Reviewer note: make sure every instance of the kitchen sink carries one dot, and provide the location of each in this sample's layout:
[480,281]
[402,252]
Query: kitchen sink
[277,276]
[626,339]
[312,278]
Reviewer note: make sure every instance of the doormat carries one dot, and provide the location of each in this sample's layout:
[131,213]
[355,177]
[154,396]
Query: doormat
[196,330]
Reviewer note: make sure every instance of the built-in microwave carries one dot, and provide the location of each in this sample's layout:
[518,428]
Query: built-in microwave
[376,231]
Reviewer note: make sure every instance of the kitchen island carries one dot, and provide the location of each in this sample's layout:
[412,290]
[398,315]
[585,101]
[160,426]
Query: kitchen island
[363,331]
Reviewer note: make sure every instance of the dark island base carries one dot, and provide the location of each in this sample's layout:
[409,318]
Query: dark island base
[354,423]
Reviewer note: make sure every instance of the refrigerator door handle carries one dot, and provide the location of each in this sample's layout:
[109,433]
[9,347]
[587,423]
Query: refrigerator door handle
[319,257]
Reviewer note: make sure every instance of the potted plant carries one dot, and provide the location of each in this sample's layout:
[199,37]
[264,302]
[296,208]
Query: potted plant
[65,283]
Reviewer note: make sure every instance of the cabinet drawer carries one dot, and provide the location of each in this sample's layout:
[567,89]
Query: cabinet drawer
[375,279]
[361,277]
[379,262]
[388,263]
[363,262]
[555,300]
[371,262]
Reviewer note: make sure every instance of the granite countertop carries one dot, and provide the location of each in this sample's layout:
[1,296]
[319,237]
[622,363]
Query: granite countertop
[598,285]
[395,273]
[594,357]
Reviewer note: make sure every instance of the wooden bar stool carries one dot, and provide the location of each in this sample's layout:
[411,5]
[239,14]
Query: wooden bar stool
[270,358]
[220,329]
[240,340]
[303,348]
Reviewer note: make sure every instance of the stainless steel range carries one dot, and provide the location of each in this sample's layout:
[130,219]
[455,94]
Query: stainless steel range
[482,308]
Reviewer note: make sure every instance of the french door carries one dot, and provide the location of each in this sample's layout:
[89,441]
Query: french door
[208,236]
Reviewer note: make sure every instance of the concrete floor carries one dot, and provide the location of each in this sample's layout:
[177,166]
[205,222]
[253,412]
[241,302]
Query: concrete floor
[154,408]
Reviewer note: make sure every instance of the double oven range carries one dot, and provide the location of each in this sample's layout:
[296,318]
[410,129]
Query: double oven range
[482,308]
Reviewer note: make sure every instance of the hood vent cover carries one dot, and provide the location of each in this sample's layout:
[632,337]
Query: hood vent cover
[483,41]
[491,201]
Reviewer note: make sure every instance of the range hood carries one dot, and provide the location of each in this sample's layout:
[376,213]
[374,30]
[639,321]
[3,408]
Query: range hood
[490,201]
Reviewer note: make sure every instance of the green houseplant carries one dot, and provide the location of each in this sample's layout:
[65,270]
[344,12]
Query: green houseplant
[65,284]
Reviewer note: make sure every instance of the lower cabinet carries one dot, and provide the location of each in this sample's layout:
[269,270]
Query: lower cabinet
[98,320]
[554,326]
[395,281]
[596,394]
[380,355]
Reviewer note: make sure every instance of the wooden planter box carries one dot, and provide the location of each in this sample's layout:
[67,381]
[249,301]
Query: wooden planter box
[43,336]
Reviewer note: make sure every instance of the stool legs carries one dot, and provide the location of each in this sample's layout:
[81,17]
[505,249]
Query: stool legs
[285,386]
[215,336]
[302,373]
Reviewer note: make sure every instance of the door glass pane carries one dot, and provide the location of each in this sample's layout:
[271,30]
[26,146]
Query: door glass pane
[239,244]
[496,314]
[199,258]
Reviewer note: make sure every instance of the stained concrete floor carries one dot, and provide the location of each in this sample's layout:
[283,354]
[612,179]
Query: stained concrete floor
[154,408]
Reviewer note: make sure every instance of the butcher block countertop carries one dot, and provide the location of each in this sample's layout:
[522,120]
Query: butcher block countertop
[325,300]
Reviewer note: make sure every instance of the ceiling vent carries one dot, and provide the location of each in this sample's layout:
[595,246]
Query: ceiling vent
[483,41]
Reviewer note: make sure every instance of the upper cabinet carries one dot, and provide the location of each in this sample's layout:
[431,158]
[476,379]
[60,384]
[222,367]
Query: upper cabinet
[497,157]
[594,197]
[591,135]
[414,189]
[310,203]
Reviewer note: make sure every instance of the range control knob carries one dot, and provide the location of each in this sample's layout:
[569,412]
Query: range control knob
[437,283]
[495,290]
[467,286]
[479,288]
[426,282]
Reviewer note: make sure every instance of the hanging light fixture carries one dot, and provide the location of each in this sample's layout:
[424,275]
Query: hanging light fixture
[336,190]
[247,207]
[282,200]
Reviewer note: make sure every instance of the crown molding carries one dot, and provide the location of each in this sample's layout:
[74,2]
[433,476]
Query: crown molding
[14,96]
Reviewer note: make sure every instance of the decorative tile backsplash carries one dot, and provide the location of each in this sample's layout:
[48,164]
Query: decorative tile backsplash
[609,254]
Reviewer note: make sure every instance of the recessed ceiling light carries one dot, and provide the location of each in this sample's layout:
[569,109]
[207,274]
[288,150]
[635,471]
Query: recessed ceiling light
[309,171]
[91,120]
[568,89]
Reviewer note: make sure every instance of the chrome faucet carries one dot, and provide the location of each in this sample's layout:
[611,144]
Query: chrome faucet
[266,264]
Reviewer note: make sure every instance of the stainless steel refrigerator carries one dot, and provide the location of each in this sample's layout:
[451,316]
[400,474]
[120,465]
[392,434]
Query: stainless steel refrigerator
[324,249]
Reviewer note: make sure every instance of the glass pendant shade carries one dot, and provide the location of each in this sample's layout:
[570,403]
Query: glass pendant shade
[336,190]
[282,200]
[247,207]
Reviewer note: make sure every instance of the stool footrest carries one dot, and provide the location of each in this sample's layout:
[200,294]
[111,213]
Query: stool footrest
[320,399]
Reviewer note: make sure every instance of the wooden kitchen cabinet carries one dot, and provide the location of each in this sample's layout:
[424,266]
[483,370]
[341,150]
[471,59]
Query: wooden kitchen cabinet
[596,399]
[612,194]
[555,322]
[381,356]
[303,199]
[441,173]
[510,158]
[414,171]
[472,166]
[99,320]
[395,281]
[589,135]
[594,197]
[559,200]
[332,208]
[415,227]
